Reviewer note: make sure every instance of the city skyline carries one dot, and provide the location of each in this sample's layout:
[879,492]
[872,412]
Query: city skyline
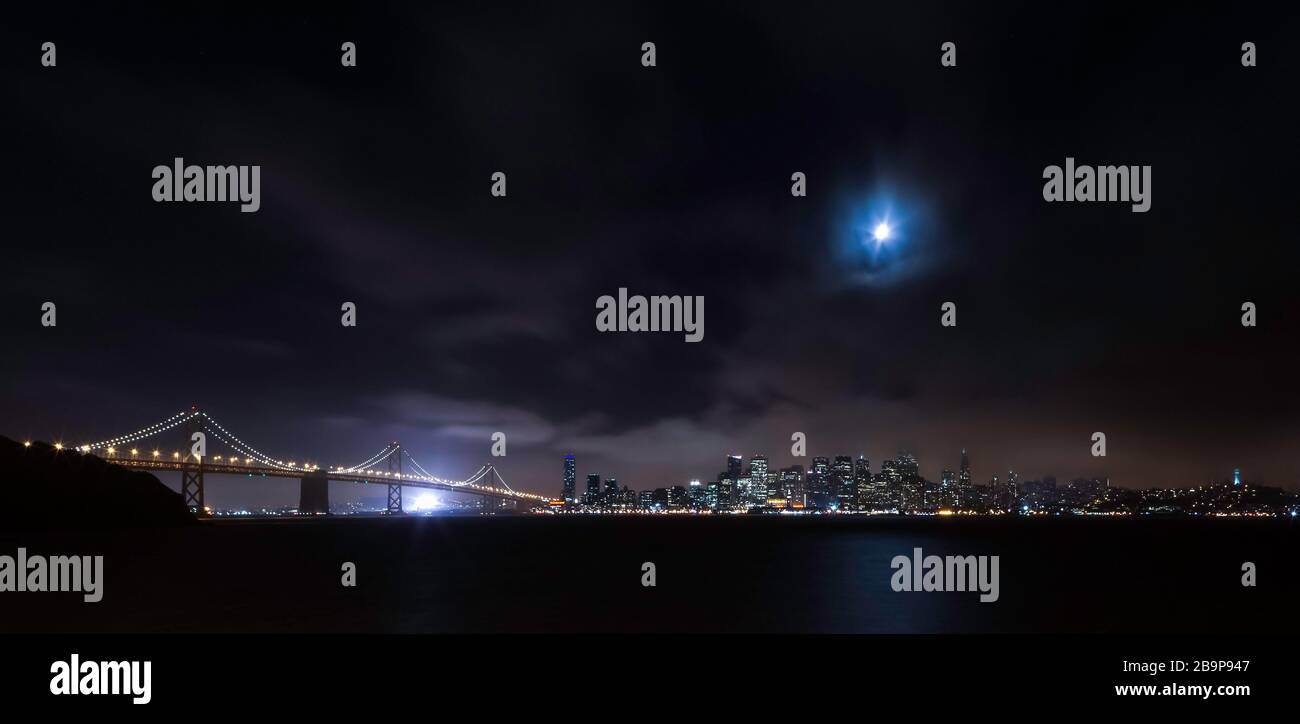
[844,483]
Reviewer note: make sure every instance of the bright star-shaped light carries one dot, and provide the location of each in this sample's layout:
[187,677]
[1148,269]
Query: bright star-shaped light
[881,232]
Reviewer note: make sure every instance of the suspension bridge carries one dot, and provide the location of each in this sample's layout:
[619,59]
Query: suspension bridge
[392,466]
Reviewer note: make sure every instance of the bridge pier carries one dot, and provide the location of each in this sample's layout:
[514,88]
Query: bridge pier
[314,493]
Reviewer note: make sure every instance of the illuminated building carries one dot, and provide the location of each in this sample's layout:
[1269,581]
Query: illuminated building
[758,481]
[569,494]
[913,490]
[862,483]
[726,492]
[735,467]
[792,484]
[711,496]
[964,481]
[890,484]
[696,493]
[843,479]
[820,494]
[948,489]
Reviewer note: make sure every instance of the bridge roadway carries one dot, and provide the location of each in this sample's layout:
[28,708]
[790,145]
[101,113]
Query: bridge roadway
[362,476]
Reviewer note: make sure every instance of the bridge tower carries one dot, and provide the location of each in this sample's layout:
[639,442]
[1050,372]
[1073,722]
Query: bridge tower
[192,465]
[489,502]
[395,489]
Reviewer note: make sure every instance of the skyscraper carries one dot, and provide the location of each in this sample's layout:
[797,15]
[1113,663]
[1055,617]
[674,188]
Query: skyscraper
[735,467]
[862,482]
[948,489]
[845,494]
[997,494]
[570,493]
[758,480]
[592,496]
[963,481]
[820,492]
[792,484]
[774,486]
[730,490]
[745,492]
[909,470]
[696,494]
[726,492]
[891,484]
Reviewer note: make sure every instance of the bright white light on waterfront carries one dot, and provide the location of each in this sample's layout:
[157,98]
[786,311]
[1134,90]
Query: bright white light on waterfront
[423,503]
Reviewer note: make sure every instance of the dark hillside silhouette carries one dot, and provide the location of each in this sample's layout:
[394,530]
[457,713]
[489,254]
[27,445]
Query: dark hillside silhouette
[50,489]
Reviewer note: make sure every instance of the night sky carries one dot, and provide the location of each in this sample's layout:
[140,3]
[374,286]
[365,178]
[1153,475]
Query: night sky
[476,314]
